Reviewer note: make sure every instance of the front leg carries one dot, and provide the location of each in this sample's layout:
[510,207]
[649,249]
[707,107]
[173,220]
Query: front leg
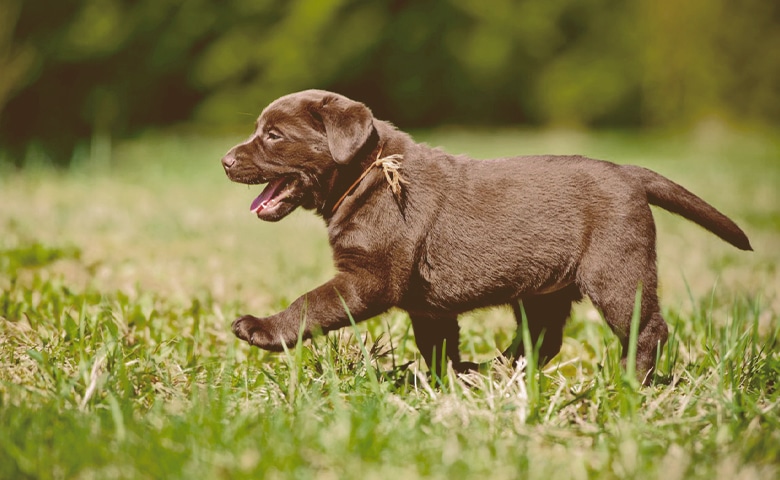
[321,309]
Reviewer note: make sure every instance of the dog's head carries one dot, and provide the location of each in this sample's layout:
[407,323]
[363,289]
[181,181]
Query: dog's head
[299,142]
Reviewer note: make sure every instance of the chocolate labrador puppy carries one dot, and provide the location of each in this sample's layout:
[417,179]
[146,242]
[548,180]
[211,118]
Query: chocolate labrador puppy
[437,234]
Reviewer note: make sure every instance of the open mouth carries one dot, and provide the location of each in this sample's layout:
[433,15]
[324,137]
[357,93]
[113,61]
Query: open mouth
[276,200]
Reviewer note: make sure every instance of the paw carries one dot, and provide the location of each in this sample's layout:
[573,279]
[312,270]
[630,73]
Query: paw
[259,332]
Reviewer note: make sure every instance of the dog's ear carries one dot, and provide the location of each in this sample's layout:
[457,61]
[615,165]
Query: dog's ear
[348,126]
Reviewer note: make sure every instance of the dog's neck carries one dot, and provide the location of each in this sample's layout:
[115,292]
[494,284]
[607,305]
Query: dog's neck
[347,177]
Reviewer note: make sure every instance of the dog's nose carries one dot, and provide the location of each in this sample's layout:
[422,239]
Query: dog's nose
[228,161]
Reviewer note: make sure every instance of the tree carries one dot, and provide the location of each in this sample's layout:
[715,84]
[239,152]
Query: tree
[77,70]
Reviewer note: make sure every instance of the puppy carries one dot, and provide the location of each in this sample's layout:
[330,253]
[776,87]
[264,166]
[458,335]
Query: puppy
[437,235]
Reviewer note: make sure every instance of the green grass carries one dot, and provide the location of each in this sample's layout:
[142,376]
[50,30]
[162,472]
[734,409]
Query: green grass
[119,279]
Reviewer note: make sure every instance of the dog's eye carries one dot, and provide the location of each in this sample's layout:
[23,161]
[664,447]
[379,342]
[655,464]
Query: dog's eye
[272,135]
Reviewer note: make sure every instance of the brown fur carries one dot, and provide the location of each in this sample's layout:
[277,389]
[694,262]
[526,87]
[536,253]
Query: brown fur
[463,234]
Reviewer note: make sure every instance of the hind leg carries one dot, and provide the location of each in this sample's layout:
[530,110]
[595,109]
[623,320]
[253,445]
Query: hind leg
[652,327]
[547,315]
[612,287]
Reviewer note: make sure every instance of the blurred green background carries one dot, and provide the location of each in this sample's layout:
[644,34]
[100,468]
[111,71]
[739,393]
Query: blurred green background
[73,71]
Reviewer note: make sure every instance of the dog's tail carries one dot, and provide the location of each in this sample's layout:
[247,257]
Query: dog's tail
[670,196]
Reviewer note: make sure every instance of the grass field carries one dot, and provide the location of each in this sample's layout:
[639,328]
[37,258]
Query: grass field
[119,279]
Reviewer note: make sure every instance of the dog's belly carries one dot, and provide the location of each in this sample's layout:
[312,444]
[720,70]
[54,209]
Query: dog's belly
[498,257]
[466,282]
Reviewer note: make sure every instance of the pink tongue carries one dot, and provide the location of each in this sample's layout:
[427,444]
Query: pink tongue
[267,194]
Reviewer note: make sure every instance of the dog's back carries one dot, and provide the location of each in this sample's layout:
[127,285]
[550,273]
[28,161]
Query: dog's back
[504,228]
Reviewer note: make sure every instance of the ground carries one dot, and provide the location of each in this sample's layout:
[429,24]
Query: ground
[119,278]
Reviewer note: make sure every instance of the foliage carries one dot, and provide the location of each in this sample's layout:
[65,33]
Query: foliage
[84,69]
[118,283]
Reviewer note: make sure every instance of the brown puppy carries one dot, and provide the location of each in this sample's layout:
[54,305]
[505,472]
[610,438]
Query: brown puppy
[451,234]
